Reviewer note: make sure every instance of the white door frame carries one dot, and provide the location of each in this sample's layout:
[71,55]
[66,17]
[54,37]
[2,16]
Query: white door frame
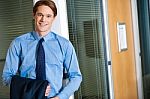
[108,49]
[137,48]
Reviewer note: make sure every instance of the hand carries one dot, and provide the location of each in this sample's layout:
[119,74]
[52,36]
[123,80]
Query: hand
[47,90]
[55,98]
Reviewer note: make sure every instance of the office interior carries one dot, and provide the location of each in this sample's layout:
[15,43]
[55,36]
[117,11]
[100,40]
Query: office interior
[111,39]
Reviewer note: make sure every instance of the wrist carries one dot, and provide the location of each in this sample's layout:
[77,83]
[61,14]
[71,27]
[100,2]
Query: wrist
[57,97]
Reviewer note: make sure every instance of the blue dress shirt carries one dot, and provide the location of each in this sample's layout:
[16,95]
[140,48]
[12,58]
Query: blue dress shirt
[59,54]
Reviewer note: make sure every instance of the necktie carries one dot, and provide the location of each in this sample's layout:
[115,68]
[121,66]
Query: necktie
[40,61]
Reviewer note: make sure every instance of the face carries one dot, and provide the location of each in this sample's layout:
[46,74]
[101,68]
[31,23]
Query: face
[44,18]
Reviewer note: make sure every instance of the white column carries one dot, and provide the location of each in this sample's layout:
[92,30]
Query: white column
[60,24]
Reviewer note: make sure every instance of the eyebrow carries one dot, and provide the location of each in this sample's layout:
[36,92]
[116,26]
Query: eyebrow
[43,14]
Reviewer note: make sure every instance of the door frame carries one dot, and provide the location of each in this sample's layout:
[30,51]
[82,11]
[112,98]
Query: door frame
[137,48]
[108,49]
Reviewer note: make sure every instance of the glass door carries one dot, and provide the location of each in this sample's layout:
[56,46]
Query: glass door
[87,35]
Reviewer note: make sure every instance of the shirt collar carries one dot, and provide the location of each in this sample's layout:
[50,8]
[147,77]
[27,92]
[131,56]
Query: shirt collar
[47,37]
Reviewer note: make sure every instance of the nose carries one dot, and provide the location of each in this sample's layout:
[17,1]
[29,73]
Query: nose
[43,18]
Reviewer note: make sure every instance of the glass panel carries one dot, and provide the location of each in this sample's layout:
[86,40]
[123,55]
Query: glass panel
[86,34]
[144,28]
[15,19]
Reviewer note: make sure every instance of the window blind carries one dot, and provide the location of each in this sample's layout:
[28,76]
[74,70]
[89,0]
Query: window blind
[86,34]
[15,19]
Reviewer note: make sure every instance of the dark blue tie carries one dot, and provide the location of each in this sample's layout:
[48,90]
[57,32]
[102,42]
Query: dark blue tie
[40,61]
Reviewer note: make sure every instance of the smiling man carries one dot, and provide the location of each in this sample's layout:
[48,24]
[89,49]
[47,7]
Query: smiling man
[43,54]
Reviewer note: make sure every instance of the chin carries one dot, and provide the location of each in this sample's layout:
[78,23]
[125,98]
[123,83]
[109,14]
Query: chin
[43,30]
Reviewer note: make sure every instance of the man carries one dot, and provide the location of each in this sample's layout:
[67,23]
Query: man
[59,54]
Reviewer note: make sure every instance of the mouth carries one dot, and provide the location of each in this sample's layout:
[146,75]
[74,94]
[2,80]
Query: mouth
[42,24]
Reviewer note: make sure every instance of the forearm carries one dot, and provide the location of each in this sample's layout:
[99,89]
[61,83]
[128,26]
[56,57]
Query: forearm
[70,87]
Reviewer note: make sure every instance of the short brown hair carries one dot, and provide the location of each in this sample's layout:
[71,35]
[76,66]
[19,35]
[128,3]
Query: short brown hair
[48,3]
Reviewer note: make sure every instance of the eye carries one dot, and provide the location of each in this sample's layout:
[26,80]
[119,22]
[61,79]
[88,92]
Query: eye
[39,14]
[49,16]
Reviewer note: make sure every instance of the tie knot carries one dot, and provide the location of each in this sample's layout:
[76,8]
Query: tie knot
[41,40]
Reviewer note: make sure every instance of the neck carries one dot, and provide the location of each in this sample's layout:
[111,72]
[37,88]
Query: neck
[42,34]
